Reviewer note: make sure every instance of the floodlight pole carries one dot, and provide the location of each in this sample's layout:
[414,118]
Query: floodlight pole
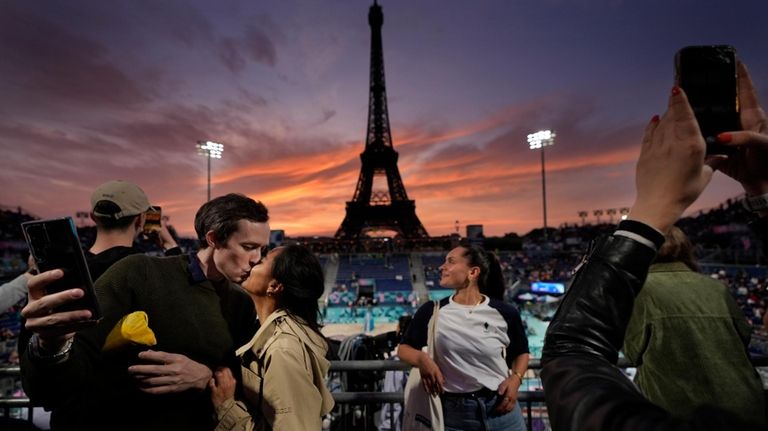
[537,141]
[544,192]
[209,179]
[211,150]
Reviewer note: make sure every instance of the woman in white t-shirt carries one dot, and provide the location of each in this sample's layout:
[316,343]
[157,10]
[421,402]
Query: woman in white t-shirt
[481,348]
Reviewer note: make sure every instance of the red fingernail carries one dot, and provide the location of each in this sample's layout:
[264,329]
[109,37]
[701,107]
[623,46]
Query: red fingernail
[655,119]
[724,137]
[675,90]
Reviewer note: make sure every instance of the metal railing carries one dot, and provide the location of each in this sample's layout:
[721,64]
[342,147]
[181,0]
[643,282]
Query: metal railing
[346,399]
[525,398]
[8,403]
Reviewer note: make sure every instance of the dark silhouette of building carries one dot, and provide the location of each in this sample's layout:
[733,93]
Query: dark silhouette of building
[385,207]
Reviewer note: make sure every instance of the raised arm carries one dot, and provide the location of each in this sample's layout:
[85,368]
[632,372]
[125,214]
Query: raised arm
[584,389]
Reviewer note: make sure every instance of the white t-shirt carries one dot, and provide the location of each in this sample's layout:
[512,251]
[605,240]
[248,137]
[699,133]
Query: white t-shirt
[475,344]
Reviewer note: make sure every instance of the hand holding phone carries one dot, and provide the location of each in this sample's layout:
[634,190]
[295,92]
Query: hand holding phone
[751,143]
[708,75]
[43,311]
[54,245]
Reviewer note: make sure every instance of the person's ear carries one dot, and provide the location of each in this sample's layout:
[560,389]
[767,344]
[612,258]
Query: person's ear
[140,220]
[274,288]
[210,238]
[474,273]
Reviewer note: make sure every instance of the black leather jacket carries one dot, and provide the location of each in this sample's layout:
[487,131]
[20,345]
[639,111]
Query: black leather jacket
[584,389]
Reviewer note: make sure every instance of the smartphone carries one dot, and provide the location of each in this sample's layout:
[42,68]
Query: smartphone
[708,75]
[54,244]
[152,221]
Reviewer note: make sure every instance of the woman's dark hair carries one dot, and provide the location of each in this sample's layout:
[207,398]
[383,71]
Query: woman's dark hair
[491,280]
[301,275]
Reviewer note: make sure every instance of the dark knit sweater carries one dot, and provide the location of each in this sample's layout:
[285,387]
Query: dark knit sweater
[190,315]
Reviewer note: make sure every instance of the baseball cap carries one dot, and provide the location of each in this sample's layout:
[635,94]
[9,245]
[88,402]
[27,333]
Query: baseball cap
[127,200]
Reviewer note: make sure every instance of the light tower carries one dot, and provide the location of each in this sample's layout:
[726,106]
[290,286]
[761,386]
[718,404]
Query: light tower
[583,215]
[597,214]
[624,212]
[211,150]
[537,141]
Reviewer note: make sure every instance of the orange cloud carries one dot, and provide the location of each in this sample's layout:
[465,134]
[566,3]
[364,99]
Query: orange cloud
[293,166]
[504,117]
[306,192]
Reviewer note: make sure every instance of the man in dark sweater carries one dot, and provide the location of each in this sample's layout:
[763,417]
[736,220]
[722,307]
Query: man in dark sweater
[199,317]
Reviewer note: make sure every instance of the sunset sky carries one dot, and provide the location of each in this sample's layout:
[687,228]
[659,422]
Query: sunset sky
[98,90]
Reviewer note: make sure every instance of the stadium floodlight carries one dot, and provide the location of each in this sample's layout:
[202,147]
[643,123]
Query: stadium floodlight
[537,141]
[597,214]
[624,212]
[541,139]
[211,150]
[583,214]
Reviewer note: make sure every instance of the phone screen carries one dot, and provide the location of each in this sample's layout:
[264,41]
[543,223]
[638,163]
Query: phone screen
[708,76]
[54,244]
[152,221]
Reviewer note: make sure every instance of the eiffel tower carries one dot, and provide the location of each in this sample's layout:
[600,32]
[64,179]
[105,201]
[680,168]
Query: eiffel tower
[380,202]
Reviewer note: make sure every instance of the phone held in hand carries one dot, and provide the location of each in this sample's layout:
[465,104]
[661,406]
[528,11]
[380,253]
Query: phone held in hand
[152,221]
[54,244]
[709,77]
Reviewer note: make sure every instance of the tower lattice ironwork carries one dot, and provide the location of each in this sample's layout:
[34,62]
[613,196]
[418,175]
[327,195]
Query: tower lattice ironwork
[380,201]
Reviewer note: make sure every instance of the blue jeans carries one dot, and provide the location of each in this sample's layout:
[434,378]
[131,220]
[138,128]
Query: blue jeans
[477,413]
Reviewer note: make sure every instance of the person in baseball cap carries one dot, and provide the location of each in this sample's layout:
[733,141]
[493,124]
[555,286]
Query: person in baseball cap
[118,208]
[118,199]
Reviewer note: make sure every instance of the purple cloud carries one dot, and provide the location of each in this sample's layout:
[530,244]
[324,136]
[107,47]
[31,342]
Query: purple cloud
[66,66]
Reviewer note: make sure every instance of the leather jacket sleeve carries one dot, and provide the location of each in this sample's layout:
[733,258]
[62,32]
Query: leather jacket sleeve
[584,389]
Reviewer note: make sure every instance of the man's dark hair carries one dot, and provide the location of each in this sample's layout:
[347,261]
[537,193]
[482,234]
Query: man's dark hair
[111,223]
[491,280]
[301,275]
[222,214]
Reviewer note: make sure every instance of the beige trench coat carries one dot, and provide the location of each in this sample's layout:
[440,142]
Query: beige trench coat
[285,361]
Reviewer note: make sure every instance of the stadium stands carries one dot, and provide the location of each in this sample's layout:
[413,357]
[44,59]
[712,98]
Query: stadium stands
[386,278]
